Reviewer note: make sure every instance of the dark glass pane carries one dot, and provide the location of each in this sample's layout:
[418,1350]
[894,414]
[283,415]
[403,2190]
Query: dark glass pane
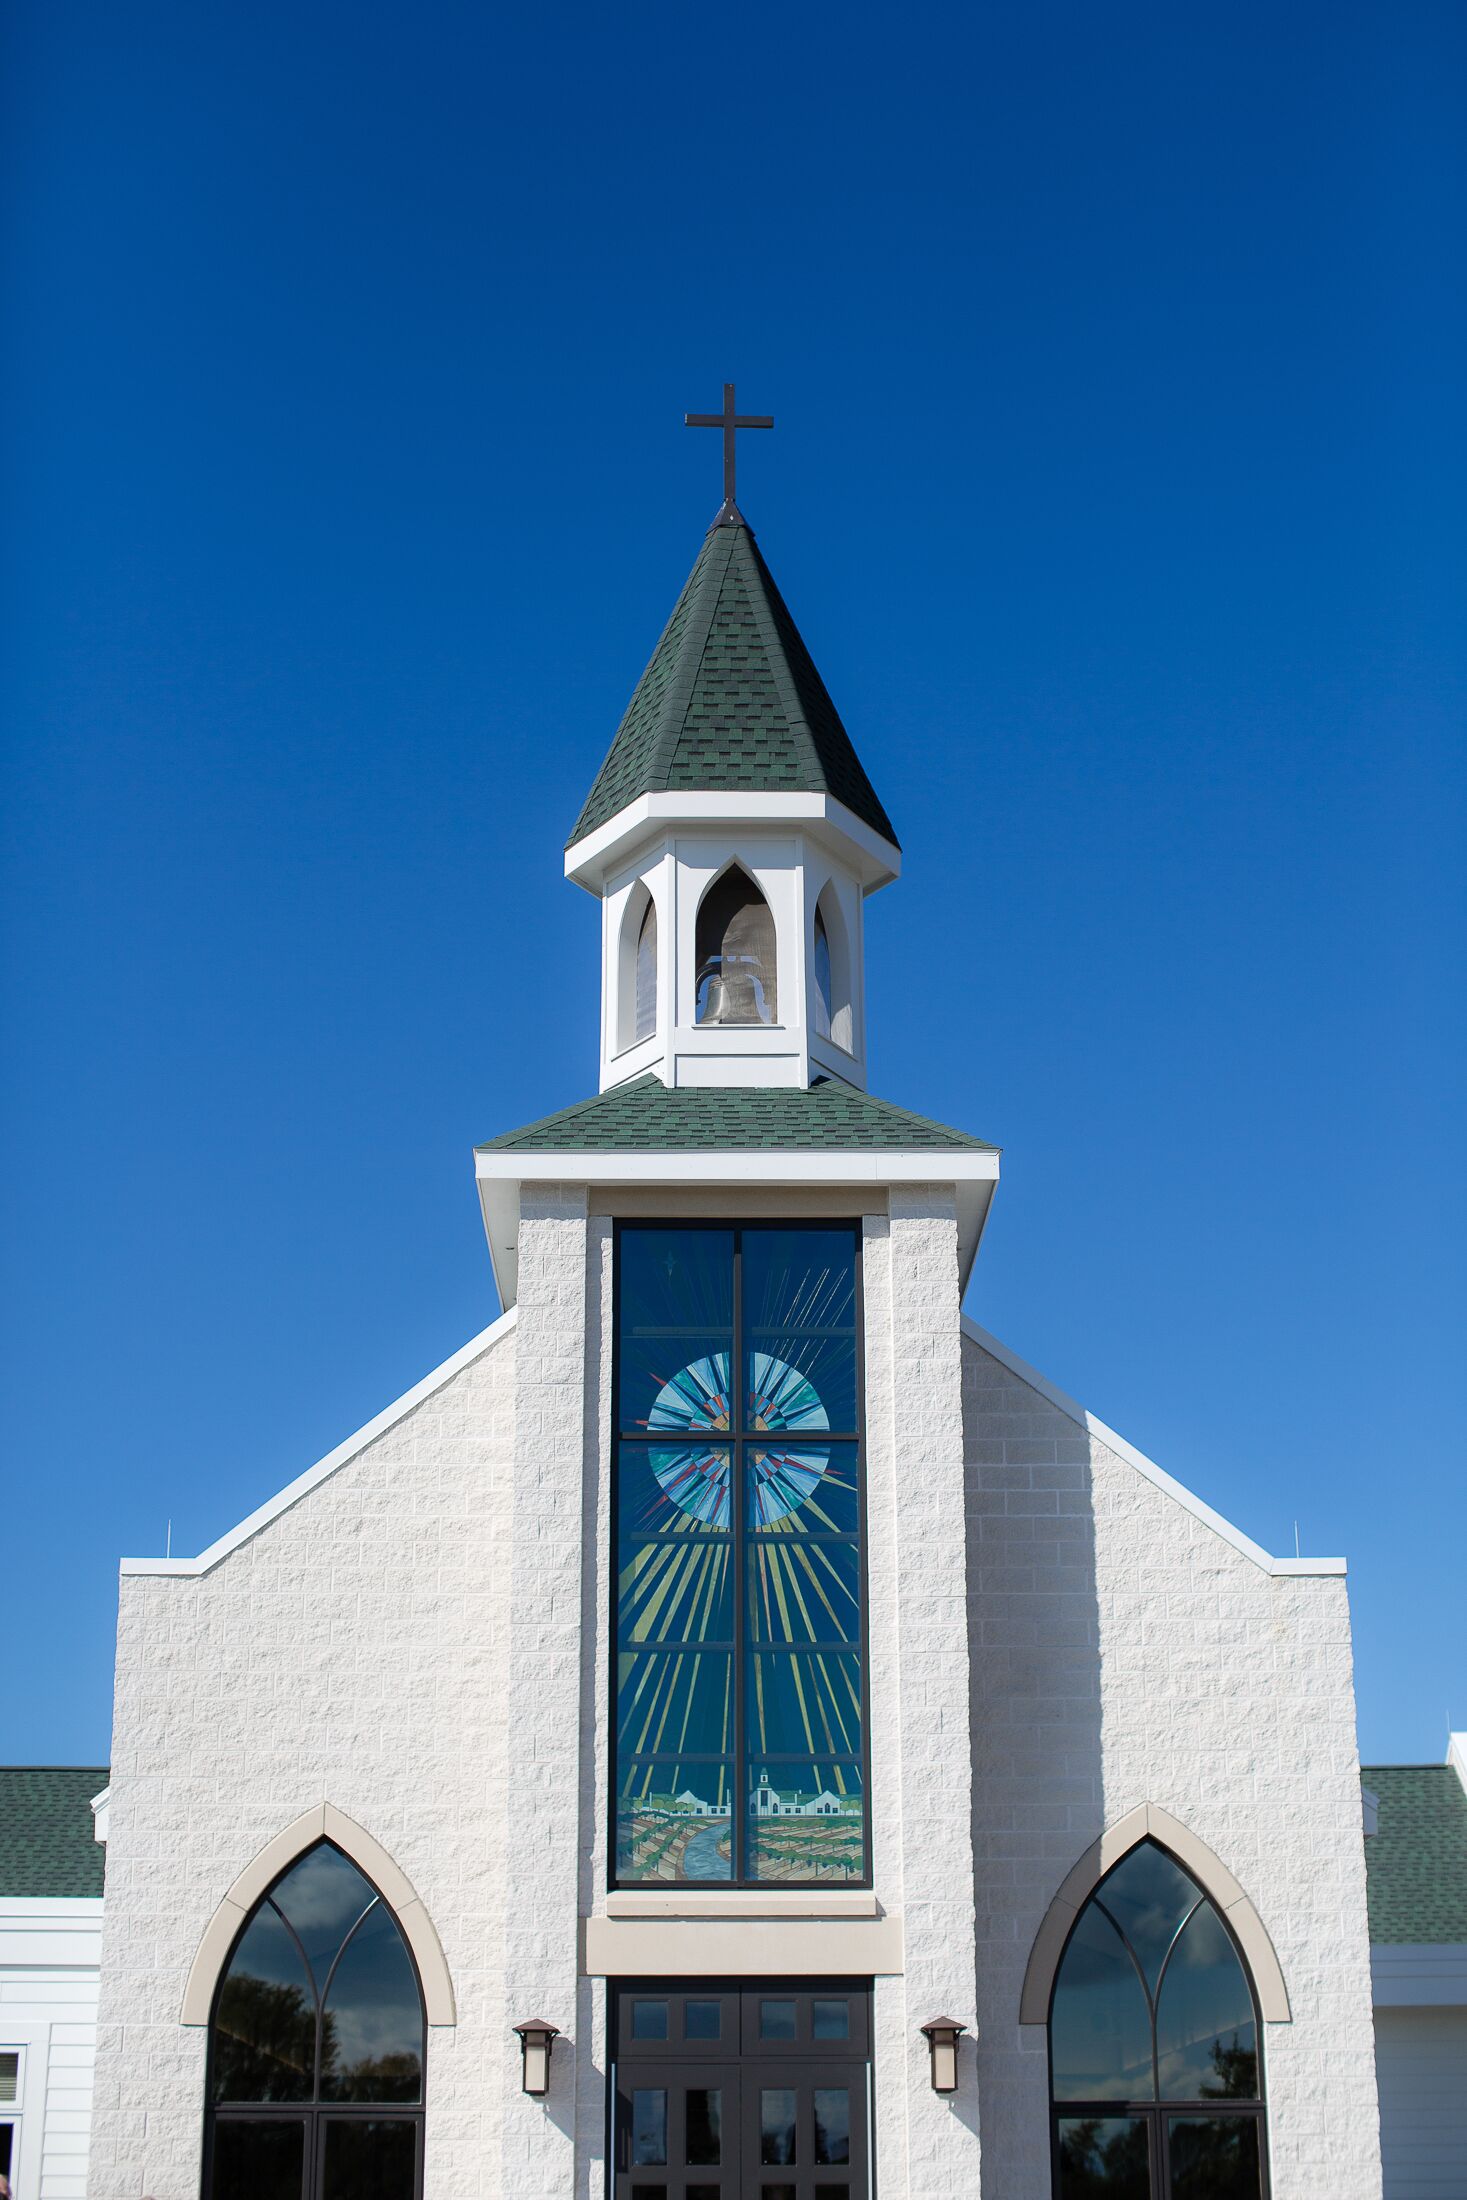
[258,2161]
[777,2124]
[1148,1896]
[803,1587]
[322,1897]
[804,1701]
[832,2124]
[675,1320]
[805,1822]
[672,1496]
[704,2126]
[649,2124]
[1100,2026]
[830,2020]
[702,2020]
[674,1702]
[649,2192]
[776,2020]
[265,2019]
[1207,2046]
[1215,2157]
[702,2192]
[672,1822]
[369,2158]
[800,1329]
[777,2192]
[372,2029]
[649,2020]
[1104,2158]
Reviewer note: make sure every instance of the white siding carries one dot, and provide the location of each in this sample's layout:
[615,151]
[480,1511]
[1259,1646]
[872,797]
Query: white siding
[1421,2066]
[49,1959]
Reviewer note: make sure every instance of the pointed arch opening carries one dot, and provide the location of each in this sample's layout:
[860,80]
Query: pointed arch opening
[317,2039]
[830,971]
[637,970]
[734,947]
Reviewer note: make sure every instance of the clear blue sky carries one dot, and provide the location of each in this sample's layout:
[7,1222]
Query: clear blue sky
[1117,356]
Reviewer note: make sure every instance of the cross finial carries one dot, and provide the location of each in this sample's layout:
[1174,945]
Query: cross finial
[730,421]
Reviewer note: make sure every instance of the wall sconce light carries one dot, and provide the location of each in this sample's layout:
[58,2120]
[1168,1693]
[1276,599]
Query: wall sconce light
[536,2039]
[941,2035]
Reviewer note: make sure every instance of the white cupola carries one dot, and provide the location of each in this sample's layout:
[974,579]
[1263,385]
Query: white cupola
[732,837]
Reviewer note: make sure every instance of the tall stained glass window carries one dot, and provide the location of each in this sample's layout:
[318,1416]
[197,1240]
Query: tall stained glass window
[1154,2046]
[740,1689]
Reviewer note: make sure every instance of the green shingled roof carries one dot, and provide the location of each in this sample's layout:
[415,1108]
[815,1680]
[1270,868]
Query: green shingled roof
[1416,1863]
[47,1844]
[646,1117]
[731,701]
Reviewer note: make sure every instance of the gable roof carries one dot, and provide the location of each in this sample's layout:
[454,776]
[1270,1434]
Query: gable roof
[1416,1860]
[47,1841]
[646,1116]
[731,701]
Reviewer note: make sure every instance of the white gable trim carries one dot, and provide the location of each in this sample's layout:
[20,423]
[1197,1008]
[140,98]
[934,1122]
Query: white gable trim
[1143,1465]
[191,1568]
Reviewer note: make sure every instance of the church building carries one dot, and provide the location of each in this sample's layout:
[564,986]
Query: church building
[734,1731]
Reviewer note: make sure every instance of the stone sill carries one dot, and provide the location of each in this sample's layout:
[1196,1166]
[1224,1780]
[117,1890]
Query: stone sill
[747,1902]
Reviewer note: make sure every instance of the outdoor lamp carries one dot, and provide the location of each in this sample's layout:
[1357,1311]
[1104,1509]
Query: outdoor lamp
[536,2040]
[941,2034]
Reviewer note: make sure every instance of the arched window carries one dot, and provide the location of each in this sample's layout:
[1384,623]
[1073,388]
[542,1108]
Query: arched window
[1155,2073]
[315,2084]
[823,995]
[645,982]
[832,974]
[735,950]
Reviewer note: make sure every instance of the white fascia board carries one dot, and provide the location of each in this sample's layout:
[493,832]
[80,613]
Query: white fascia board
[192,1568]
[1420,1975]
[99,1813]
[588,859]
[70,1912]
[1138,1459]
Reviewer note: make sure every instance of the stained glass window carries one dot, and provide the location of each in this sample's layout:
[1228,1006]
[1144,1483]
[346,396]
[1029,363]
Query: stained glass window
[740,1698]
[1153,2012]
[318,2012]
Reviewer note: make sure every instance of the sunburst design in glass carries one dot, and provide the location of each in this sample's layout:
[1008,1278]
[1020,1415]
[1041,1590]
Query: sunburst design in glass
[696,1403]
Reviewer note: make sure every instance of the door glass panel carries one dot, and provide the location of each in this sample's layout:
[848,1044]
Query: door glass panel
[702,2020]
[830,2020]
[832,2124]
[649,2192]
[1100,2026]
[776,2192]
[1214,2157]
[702,2192]
[369,2158]
[1107,2156]
[776,2020]
[649,2020]
[705,2125]
[258,2161]
[649,2124]
[777,2124]
[1205,2040]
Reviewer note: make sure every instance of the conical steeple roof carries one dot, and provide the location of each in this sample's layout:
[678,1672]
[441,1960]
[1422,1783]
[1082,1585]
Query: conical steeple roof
[731,701]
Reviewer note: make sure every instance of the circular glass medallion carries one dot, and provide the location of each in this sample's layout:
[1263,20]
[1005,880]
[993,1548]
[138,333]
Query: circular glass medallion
[696,1403]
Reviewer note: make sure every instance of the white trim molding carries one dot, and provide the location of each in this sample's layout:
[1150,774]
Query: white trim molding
[1149,1822]
[1148,1467]
[192,1568]
[323,1822]
[1419,1975]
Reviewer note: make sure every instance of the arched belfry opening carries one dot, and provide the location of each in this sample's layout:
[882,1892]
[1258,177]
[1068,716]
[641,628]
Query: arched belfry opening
[636,1014]
[831,990]
[737,977]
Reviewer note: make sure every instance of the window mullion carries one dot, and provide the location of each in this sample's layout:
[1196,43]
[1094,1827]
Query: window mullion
[738,1814]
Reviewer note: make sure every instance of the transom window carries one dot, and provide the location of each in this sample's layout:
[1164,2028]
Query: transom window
[740,1609]
[1154,2046]
[316,2046]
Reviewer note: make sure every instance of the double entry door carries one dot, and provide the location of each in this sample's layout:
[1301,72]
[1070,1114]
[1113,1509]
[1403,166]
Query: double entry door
[741,2091]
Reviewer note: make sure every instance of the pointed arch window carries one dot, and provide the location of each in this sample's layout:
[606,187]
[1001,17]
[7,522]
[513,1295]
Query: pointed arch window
[824,978]
[645,979]
[1155,2071]
[735,952]
[316,2046]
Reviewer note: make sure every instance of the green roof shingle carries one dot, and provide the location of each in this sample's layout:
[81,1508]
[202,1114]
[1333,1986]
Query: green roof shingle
[645,1116]
[731,701]
[47,1845]
[1416,1862]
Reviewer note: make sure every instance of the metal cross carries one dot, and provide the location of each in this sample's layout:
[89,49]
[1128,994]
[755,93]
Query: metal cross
[729,421]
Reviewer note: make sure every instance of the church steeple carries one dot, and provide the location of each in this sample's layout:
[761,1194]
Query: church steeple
[732,835]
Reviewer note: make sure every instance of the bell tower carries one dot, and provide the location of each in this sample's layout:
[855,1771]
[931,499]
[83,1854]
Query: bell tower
[732,838]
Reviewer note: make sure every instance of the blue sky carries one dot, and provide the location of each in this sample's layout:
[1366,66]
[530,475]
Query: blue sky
[1117,358]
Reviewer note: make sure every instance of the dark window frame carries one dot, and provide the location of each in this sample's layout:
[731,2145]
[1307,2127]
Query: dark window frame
[315,2113]
[1157,2111]
[843,1226]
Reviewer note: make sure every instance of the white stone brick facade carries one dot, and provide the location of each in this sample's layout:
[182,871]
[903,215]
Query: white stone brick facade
[420,1639]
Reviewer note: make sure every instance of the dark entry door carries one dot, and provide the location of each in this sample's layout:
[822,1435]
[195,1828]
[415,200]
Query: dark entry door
[738,2092]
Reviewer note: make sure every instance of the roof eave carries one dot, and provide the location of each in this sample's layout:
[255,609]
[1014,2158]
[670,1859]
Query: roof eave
[500,1174]
[591,859]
